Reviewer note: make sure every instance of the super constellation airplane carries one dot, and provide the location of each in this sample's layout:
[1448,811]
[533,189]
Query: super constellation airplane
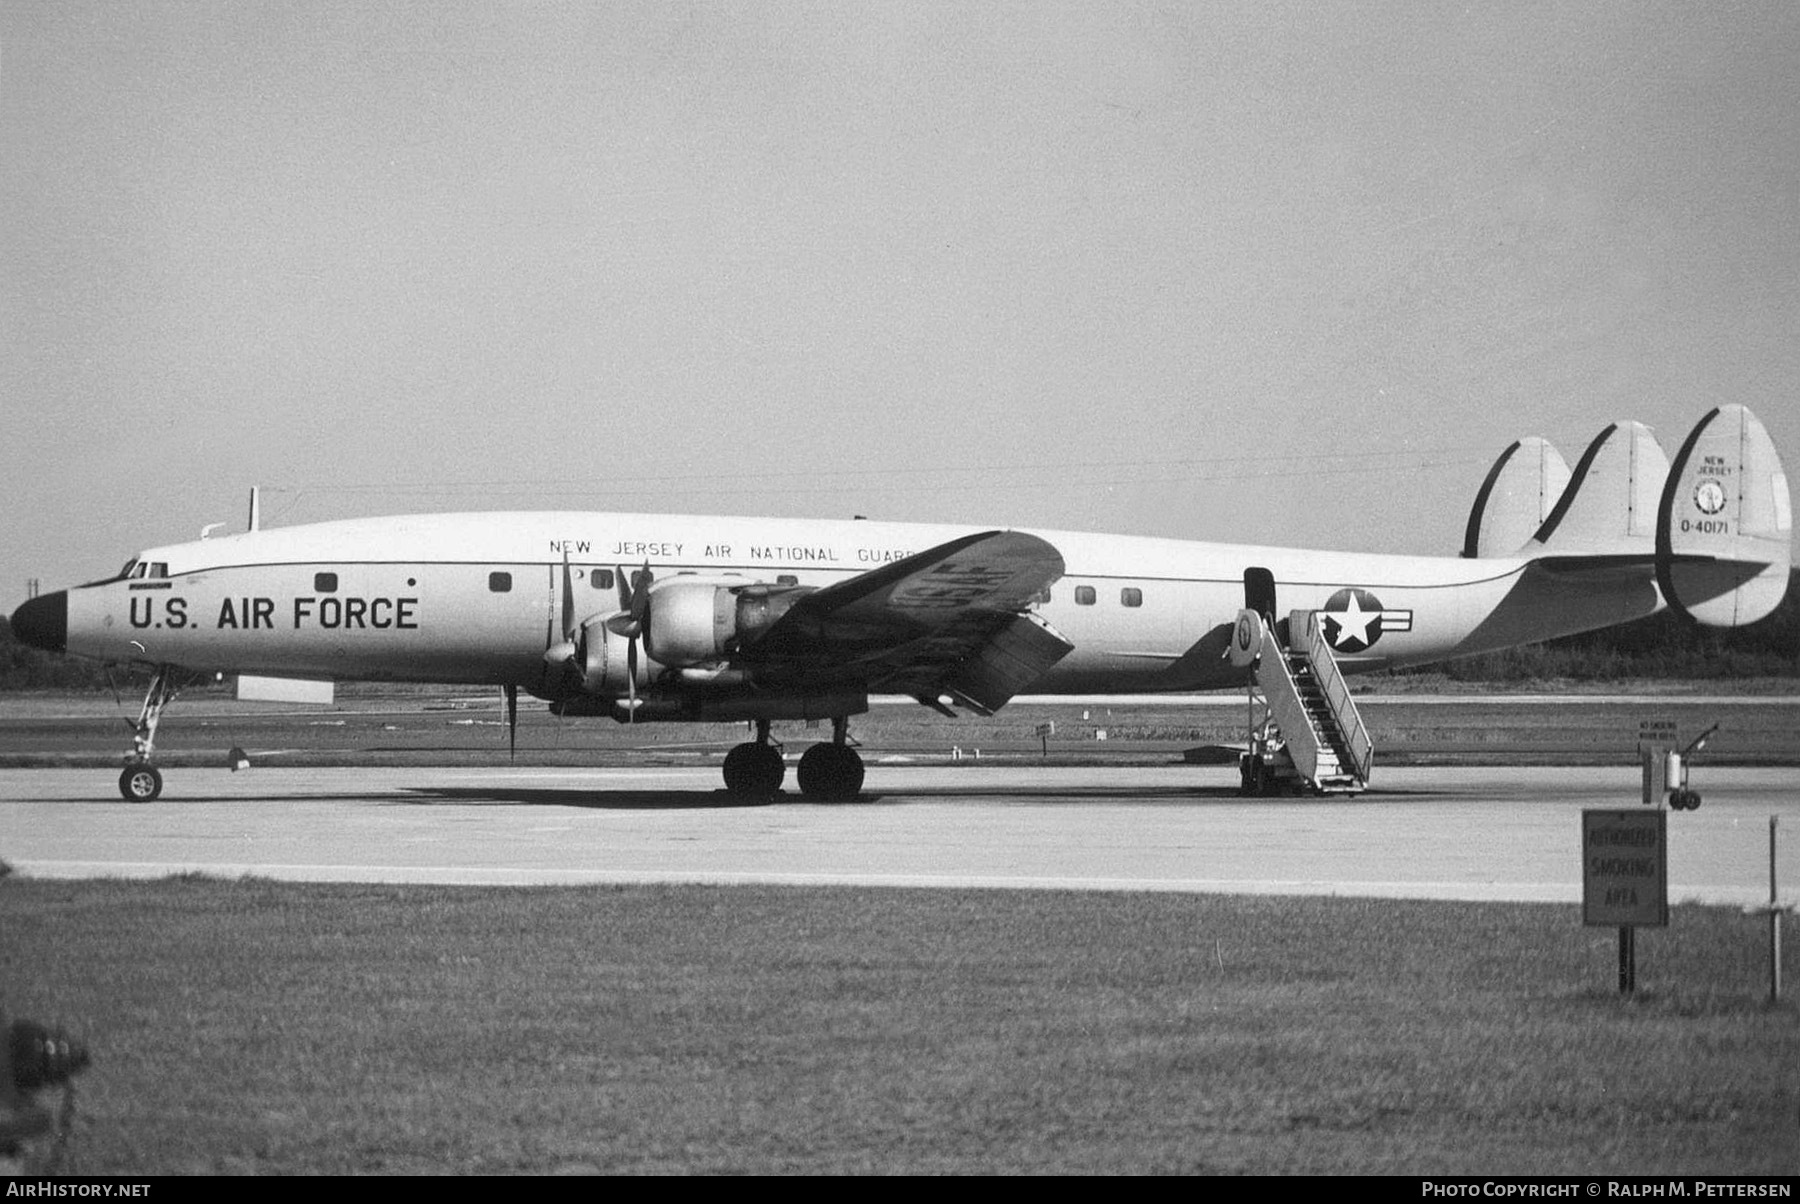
[666,617]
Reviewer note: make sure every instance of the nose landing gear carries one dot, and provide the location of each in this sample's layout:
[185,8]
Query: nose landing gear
[141,781]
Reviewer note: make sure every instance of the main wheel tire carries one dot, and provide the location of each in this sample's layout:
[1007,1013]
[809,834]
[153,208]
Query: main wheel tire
[140,783]
[754,770]
[831,773]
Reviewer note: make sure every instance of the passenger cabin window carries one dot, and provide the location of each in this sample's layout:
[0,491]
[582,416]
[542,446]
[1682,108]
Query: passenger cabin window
[499,583]
[1131,595]
[1041,598]
[325,583]
[601,578]
[786,579]
[639,577]
[1084,595]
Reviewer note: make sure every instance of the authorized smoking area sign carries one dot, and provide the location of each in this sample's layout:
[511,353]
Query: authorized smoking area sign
[1625,868]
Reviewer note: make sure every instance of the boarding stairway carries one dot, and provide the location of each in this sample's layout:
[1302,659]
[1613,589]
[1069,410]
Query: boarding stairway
[1310,739]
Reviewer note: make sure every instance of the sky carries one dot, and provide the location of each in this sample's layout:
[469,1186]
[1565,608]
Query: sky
[1268,272]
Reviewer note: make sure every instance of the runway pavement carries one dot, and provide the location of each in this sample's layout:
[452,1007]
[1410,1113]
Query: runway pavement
[1477,834]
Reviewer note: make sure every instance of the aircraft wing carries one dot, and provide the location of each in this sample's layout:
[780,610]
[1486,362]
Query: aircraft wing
[952,620]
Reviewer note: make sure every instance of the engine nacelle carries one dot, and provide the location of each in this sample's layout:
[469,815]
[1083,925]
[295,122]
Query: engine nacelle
[689,623]
[606,666]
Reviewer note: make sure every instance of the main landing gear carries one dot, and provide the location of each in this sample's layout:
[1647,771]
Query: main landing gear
[141,781]
[831,772]
[754,769]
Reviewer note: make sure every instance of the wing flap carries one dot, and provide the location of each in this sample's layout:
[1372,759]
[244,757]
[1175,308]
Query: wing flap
[949,620]
[1016,655]
[992,572]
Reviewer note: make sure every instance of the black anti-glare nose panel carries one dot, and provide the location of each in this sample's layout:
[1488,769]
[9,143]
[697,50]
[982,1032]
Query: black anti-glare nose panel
[43,622]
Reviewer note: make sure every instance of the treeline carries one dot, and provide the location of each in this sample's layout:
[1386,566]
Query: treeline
[1662,646]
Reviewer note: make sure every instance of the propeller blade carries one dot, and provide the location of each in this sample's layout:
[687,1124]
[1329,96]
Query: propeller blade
[624,588]
[512,721]
[631,662]
[634,607]
[640,604]
[568,601]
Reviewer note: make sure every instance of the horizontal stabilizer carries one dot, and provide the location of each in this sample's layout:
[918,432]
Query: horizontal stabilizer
[1724,527]
[1609,507]
[1520,491]
[1596,567]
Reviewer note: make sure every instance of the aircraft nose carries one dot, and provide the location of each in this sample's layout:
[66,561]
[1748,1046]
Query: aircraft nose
[43,622]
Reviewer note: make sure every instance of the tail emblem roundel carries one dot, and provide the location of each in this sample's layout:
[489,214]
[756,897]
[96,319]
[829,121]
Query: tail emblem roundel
[1354,620]
[1709,496]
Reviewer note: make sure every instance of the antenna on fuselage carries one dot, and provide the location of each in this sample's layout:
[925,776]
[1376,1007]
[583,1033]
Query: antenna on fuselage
[255,508]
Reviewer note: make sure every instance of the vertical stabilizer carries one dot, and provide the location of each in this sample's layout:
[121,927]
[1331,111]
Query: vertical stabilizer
[1610,505]
[1520,491]
[1724,535]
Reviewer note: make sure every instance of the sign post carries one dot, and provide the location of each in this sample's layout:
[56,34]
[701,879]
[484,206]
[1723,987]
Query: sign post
[1774,922]
[1625,878]
[1773,911]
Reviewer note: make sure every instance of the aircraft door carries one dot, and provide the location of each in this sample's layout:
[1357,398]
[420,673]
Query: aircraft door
[1259,593]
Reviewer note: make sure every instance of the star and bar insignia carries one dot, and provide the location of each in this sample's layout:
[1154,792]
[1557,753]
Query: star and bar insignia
[1354,620]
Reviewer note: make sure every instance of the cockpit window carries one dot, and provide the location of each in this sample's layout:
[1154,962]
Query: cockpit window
[131,569]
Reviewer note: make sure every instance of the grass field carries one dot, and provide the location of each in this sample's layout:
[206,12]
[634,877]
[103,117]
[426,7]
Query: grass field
[257,1027]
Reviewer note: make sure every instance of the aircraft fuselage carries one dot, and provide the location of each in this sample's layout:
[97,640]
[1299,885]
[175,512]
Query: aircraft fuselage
[475,598]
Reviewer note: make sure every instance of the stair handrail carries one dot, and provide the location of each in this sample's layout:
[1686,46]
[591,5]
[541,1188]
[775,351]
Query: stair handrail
[1337,694]
[1282,696]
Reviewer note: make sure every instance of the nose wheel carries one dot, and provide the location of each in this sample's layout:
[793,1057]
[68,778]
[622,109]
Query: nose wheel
[140,783]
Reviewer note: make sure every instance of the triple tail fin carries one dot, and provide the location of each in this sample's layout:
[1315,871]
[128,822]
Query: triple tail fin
[1520,490]
[1716,525]
[1724,533]
[1609,507]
